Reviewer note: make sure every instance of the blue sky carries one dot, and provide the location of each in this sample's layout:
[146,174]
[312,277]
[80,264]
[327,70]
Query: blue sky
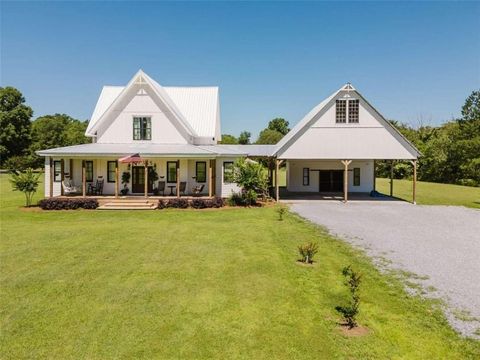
[413,61]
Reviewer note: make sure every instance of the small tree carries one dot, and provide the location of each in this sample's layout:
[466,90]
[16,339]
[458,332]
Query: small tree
[251,177]
[26,182]
[350,312]
[281,210]
[307,252]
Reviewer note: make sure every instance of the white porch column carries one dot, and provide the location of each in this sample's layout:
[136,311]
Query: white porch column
[178,178]
[146,178]
[116,179]
[51,177]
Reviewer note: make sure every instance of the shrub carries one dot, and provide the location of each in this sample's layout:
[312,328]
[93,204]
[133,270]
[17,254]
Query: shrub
[68,204]
[350,312]
[217,202]
[281,210]
[177,203]
[307,252]
[236,199]
[26,182]
[243,198]
[199,203]
[252,178]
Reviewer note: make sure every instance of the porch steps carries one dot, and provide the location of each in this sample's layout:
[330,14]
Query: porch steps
[129,204]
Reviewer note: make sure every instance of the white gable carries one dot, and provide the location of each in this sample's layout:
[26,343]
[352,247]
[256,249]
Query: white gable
[120,128]
[318,136]
[194,111]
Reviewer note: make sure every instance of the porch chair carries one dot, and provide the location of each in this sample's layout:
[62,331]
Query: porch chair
[69,188]
[183,187]
[96,189]
[161,187]
[197,190]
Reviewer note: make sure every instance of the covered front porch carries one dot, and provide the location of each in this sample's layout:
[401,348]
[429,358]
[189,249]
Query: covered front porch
[114,177]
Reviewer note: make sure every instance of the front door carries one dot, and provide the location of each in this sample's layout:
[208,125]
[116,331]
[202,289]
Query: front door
[331,181]
[138,180]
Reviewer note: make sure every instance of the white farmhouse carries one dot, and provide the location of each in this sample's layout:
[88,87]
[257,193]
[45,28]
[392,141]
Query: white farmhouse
[144,131]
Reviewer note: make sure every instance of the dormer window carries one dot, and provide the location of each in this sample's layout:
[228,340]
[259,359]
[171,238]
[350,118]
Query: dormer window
[344,107]
[142,128]
[353,109]
[341,111]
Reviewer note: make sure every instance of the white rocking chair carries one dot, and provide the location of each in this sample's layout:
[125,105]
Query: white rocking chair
[69,188]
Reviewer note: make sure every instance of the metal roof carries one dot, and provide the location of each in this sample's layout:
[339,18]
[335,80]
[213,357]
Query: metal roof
[196,106]
[160,150]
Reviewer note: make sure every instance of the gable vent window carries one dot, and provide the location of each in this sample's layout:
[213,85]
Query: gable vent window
[142,128]
[341,111]
[353,108]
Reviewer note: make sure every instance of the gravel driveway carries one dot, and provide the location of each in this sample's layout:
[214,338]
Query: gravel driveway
[438,242]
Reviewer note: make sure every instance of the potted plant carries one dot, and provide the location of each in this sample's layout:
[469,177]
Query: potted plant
[125,181]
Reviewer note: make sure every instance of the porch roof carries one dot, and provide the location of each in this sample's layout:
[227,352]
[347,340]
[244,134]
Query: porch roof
[158,150]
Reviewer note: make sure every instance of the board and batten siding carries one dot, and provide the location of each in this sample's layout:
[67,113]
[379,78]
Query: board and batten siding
[295,174]
[224,189]
[120,130]
[370,138]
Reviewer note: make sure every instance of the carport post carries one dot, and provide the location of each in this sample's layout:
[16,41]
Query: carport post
[414,188]
[277,188]
[391,178]
[345,180]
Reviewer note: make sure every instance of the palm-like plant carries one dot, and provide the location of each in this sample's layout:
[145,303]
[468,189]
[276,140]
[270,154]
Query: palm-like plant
[26,182]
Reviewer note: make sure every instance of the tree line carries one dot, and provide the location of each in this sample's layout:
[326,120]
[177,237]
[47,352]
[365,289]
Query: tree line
[450,153]
[20,137]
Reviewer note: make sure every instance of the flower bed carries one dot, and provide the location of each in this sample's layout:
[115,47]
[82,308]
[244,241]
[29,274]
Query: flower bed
[68,204]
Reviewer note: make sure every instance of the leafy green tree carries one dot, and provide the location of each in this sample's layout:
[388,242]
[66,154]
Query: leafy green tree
[26,182]
[57,130]
[269,136]
[228,139]
[14,123]
[471,108]
[244,137]
[280,125]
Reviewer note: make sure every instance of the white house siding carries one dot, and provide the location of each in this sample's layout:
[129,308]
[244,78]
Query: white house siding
[295,174]
[47,177]
[370,138]
[120,130]
[224,189]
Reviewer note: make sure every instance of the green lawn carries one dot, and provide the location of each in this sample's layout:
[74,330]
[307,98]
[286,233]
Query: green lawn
[432,193]
[196,285]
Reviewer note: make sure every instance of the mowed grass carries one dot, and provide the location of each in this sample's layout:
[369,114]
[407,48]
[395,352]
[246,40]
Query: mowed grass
[432,193]
[212,284]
